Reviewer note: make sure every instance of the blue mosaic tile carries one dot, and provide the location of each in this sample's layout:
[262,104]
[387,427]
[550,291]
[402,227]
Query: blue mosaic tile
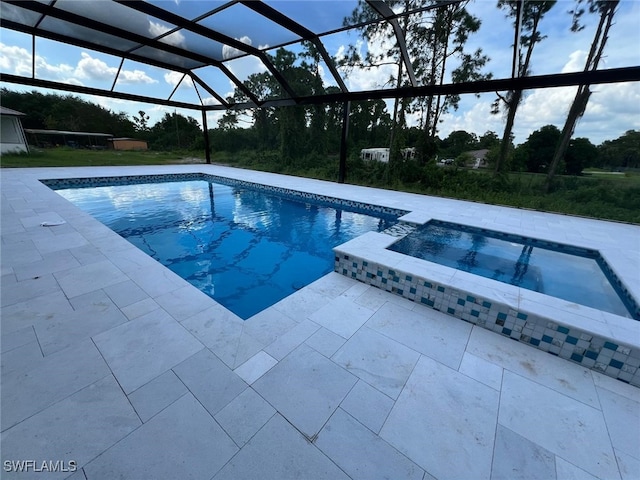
[616,363]
[591,354]
[513,324]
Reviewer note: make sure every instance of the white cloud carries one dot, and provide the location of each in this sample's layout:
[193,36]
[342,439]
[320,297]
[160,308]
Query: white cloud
[210,101]
[476,119]
[173,78]
[61,73]
[94,68]
[231,52]
[370,77]
[576,62]
[134,77]
[176,38]
[15,60]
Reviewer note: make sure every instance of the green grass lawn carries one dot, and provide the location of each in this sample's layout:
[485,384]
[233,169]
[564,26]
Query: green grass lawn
[70,157]
[596,194]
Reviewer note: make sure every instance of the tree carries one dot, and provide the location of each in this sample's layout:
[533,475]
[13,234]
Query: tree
[581,153]
[623,152]
[606,9]
[532,13]
[175,131]
[434,36]
[442,37]
[228,121]
[539,148]
[458,142]
[489,140]
[56,112]
[141,122]
[288,127]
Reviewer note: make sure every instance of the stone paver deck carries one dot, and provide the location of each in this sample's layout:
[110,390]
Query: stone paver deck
[114,367]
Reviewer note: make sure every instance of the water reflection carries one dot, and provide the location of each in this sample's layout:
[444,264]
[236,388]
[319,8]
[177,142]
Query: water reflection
[493,255]
[244,247]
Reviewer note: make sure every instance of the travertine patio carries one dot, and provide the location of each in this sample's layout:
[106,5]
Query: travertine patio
[113,362]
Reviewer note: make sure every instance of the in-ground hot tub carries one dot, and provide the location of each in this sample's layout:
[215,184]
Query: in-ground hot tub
[571,273]
[597,339]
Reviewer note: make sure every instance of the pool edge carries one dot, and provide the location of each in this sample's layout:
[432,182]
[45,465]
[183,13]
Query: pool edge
[601,344]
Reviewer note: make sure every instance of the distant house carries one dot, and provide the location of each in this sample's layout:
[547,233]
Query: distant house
[128,144]
[479,157]
[12,138]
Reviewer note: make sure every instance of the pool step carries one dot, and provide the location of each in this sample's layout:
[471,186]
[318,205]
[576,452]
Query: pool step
[400,229]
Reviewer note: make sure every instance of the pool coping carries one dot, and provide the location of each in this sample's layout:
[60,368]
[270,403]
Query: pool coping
[591,338]
[605,237]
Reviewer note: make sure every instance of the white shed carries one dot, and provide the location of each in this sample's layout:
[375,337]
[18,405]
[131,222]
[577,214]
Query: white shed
[12,138]
[375,154]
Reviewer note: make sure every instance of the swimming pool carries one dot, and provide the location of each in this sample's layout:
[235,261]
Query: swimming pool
[570,273]
[247,248]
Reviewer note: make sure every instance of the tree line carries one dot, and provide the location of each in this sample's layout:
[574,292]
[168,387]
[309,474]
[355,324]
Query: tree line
[437,43]
[370,125]
[50,111]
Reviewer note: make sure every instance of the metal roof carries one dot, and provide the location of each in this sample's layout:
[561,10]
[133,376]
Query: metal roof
[40,131]
[8,111]
[203,41]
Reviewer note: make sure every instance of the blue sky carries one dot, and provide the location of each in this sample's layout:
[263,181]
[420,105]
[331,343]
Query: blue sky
[612,110]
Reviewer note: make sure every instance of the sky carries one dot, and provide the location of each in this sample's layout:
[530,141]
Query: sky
[612,109]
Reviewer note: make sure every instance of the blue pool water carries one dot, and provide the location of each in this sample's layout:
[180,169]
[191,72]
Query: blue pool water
[245,248]
[573,274]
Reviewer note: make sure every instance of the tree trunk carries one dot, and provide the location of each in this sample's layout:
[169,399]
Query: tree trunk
[516,97]
[575,112]
[581,99]
[506,136]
